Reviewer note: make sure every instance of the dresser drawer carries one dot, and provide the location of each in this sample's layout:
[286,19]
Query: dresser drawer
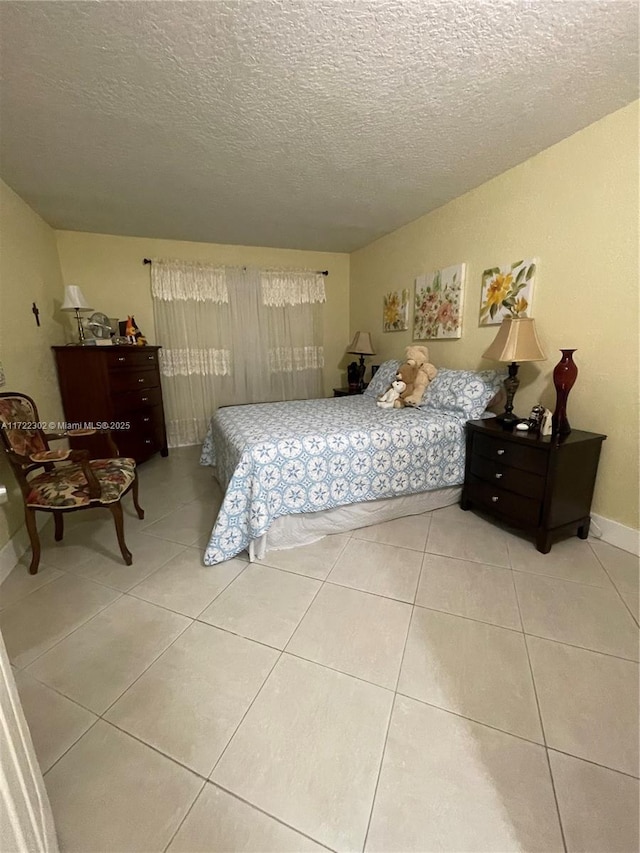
[119,358]
[513,479]
[132,380]
[511,454]
[133,401]
[507,504]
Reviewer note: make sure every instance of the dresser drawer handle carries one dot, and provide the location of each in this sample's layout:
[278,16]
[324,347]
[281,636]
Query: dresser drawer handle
[500,452]
[151,357]
[146,420]
[144,399]
[121,358]
[140,380]
[499,476]
[495,499]
[148,441]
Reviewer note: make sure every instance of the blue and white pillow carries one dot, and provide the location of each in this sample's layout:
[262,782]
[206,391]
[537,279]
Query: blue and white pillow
[385,375]
[462,392]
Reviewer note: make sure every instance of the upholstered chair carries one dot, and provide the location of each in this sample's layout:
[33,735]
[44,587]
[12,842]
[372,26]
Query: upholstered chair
[68,480]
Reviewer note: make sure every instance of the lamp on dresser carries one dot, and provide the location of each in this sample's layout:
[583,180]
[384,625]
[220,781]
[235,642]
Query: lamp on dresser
[361,345]
[74,300]
[516,341]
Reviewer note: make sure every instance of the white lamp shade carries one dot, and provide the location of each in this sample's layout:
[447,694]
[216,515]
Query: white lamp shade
[74,298]
[516,341]
[361,344]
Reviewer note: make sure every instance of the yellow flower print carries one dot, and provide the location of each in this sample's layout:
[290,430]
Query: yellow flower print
[520,307]
[498,289]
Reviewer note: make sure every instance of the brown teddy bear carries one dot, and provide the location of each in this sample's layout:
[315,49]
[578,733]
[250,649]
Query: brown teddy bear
[416,372]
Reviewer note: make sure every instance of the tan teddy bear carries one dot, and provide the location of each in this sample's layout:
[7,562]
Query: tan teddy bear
[417,372]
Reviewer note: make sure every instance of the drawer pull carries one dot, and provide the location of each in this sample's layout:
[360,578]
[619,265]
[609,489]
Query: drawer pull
[144,399]
[151,357]
[499,476]
[121,358]
[500,452]
[140,380]
[146,420]
[495,499]
[148,441]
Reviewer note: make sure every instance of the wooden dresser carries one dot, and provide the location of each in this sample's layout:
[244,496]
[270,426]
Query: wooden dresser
[118,387]
[539,483]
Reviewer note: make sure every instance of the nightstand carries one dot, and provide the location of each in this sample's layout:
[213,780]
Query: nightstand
[346,392]
[541,484]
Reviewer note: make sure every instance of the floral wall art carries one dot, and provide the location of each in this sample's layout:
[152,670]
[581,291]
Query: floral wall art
[507,291]
[395,311]
[438,304]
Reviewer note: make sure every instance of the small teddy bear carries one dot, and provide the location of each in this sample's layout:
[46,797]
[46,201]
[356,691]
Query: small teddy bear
[417,357]
[390,397]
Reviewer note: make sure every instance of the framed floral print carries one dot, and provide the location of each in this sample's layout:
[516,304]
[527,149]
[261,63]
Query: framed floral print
[395,311]
[438,304]
[507,291]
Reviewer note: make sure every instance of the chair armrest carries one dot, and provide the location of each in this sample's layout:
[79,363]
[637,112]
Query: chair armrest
[79,433]
[80,457]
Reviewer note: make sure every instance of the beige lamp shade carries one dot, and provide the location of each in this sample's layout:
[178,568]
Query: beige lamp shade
[74,299]
[361,344]
[516,341]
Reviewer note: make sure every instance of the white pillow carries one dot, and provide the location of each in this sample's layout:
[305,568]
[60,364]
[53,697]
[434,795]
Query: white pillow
[462,392]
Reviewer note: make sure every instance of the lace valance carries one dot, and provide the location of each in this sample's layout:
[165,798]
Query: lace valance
[291,287]
[181,280]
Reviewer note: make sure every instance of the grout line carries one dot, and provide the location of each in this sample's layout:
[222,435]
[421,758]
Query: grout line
[581,648]
[470,618]
[379,774]
[615,586]
[60,757]
[186,815]
[594,763]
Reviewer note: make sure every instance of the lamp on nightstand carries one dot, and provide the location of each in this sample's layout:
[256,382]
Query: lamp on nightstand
[515,342]
[361,345]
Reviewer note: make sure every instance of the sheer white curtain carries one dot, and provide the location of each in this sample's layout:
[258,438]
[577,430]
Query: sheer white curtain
[234,335]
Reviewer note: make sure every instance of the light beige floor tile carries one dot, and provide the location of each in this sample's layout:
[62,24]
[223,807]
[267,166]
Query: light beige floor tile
[381,569]
[472,538]
[410,532]
[622,567]
[97,663]
[185,525]
[309,750]
[469,589]
[571,560]
[477,670]
[190,701]
[588,702]
[81,543]
[20,583]
[55,722]
[220,823]
[574,613]
[598,807]
[35,623]
[450,784]
[315,560]
[149,553]
[113,793]
[356,632]
[185,585]
[632,600]
[263,604]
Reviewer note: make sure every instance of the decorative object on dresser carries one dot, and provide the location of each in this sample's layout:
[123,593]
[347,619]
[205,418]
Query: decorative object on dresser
[543,484]
[100,327]
[361,345]
[515,342]
[81,483]
[74,301]
[565,374]
[118,387]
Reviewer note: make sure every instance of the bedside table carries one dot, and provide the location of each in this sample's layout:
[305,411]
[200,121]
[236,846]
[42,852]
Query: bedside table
[345,392]
[538,483]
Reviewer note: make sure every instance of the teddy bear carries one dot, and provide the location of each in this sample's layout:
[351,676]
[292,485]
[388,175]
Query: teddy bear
[417,372]
[387,400]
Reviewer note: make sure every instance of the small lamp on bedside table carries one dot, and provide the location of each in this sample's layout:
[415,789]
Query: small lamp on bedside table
[361,345]
[515,342]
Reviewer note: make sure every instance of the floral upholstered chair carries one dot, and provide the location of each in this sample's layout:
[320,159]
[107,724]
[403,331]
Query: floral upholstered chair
[69,480]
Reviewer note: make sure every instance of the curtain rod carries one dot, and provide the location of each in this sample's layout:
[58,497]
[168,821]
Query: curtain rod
[319,272]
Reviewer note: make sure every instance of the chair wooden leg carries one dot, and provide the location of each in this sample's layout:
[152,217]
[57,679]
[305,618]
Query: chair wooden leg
[58,520]
[116,512]
[30,519]
[134,492]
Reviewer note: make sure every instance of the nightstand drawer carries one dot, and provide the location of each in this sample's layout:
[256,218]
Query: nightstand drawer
[513,479]
[504,503]
[508,453]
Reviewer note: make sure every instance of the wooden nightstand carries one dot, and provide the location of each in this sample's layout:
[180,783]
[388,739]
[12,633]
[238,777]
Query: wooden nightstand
[346,392]
[539,483]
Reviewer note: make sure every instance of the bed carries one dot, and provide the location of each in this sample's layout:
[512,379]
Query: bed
[294,471]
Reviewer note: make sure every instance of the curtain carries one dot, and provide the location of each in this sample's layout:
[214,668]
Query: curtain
[234,335]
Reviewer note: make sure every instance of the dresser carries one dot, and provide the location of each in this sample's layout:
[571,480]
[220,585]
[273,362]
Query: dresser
[541,484]
[118,387]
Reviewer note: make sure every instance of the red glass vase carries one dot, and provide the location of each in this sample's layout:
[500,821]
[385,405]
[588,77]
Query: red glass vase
[565,374]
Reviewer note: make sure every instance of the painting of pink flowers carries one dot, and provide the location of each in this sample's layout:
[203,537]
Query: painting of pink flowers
[438,304]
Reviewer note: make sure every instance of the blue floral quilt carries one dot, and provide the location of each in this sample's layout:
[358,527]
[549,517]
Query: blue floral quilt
[276,459]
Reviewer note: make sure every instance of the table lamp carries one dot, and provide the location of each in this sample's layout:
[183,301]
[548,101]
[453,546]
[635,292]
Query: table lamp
[515,342]
[74,301]
[361,345]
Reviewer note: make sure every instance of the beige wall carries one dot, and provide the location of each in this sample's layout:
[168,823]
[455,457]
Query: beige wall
[29,272]
[110,272]
[575,207]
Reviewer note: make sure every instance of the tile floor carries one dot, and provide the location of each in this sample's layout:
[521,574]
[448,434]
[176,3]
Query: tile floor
[428,684]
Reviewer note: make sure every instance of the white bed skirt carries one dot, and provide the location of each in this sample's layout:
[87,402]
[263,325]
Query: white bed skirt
[291,531]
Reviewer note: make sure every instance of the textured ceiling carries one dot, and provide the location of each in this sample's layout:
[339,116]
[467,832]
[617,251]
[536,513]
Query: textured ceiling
[315,124]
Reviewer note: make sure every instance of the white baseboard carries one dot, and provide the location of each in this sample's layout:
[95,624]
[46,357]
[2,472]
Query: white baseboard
[18,545]
[615,534]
